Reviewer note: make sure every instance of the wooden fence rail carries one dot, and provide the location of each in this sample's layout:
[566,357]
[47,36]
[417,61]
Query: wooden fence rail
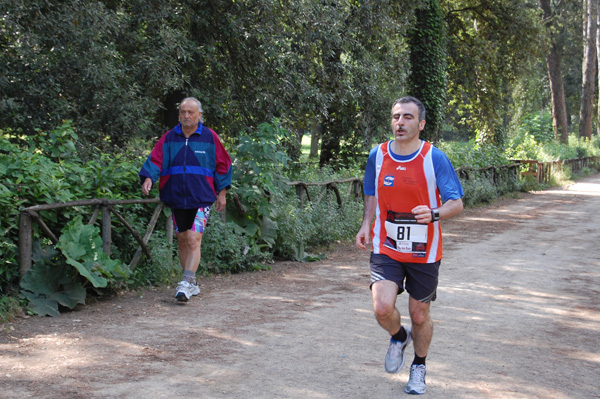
[494,173]
[27,215]
[541,170]
[355,189]
[106,207]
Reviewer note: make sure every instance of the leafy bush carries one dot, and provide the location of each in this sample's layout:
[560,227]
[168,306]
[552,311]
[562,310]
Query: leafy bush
[314,226]
[478,189]
[334,223]
[10,308]
[259,173]
[61,275]
[537,125]
[295,226]
[524,145]
[163,268]
[27,177]
[225,251]
[45,168]
[472,154]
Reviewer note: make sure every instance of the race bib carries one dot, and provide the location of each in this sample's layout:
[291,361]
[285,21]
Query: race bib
[404,234]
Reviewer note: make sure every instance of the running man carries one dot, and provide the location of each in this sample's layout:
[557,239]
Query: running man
[409,187]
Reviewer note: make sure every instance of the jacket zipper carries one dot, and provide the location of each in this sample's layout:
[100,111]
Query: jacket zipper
[184,171]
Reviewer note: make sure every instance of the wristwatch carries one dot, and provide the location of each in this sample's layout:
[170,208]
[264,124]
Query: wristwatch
[435,215]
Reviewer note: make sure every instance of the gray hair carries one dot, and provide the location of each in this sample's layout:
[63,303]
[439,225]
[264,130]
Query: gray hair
[198,103]
[414,100]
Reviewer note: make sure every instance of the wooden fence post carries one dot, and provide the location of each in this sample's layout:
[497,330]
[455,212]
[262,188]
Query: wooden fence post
[149,230]
[25,242]
[106,232]
[169,233]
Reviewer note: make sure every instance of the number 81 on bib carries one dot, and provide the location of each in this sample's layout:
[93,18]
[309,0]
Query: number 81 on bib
[408,238]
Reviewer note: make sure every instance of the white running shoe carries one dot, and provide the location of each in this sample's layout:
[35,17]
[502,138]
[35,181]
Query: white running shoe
[185,290]
[416,382]
[394,358]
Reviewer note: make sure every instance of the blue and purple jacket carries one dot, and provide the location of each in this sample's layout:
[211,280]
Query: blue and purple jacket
[192,170]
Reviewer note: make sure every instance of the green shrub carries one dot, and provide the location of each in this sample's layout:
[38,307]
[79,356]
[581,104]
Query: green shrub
[163,268]
[314,226]
[224,250]
[525,146]
[478,189]
[259,168]
[295,225]
[334,223]
[473,155]
[537,125]
[10,308]
[62,274]
[45,168]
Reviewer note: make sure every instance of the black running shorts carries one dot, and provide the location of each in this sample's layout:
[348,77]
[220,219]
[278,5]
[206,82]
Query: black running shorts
[190,219]
[419,279]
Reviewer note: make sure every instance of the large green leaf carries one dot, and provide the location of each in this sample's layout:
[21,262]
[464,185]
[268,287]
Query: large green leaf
[86,269]
[48,284]
[268,230]
[81,245]
[42,306]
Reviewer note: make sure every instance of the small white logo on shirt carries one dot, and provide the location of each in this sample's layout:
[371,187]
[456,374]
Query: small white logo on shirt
[401,167]
[200,152]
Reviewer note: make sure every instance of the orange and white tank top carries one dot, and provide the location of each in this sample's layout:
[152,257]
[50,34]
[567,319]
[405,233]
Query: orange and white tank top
[400,186]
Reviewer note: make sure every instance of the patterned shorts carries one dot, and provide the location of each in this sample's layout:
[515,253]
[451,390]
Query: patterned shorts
[190,219]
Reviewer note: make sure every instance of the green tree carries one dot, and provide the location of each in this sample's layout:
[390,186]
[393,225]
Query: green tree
[557,89]
[589,67]
[491,42]
[60,60]
[428,59]
[118,68]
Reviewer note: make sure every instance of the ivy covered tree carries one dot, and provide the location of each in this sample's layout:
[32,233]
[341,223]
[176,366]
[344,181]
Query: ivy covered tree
[428,60]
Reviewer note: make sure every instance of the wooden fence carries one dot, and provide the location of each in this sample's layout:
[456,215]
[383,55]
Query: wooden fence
[106,207]
[494,173]
[542,171]
[355,189]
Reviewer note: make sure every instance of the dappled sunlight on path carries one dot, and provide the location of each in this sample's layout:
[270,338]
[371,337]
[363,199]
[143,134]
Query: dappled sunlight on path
[517,316]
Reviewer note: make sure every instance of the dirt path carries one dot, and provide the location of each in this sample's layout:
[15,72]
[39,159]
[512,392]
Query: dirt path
[517,316]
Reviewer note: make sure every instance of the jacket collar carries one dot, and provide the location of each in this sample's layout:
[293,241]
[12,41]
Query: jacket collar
[178,130]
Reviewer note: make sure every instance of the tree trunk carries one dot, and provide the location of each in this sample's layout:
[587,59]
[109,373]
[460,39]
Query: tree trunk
[589,69]
[315,135]
[598,64]
[330,137]
[557,89]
